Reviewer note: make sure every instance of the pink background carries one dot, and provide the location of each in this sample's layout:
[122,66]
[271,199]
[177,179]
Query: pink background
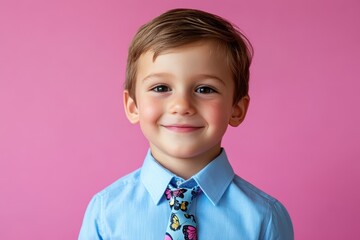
[64,136]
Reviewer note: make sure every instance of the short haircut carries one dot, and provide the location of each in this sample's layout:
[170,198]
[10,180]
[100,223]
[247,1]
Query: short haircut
[179,27]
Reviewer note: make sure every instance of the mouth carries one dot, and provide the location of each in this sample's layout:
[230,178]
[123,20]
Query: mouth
[182,128]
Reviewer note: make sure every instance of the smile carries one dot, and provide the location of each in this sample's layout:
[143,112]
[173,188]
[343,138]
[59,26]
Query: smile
[182,128]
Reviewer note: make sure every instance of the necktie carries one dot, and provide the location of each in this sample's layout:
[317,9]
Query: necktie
[182,225]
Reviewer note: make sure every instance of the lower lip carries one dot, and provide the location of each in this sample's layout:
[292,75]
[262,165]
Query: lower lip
[182,129]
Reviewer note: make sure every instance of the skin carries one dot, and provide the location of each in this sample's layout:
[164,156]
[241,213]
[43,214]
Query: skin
[184,103]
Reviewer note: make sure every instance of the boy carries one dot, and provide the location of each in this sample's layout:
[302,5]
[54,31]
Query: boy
[187,80]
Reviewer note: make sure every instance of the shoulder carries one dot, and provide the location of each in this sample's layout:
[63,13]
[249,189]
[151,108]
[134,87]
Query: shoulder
[249,190]
[98,212]
[120,187]
[277,221]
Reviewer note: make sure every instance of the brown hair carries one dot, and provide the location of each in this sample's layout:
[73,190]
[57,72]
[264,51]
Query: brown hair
[179,27]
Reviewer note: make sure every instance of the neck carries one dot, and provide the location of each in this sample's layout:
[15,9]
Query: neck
[185,167]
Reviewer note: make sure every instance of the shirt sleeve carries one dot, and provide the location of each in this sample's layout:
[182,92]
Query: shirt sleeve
[91,228]
[279,226]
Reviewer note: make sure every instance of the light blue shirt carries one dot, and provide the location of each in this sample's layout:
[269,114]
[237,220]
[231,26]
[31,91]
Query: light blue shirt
[229,208]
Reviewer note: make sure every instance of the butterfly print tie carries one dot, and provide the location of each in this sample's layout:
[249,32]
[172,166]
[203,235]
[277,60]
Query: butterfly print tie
[182,225]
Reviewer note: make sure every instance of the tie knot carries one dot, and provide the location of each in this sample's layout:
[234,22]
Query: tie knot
[181,198]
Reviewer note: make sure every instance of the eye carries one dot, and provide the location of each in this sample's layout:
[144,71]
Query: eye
[205,90]
[161,88]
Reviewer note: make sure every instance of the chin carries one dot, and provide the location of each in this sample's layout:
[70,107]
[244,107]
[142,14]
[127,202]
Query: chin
[184,153]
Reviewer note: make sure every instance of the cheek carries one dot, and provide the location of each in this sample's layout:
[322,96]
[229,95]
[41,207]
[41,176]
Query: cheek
[149,110]
[217,114]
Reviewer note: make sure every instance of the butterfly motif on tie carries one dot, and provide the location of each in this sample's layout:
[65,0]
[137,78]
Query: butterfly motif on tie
[168,237]
[173,202]
[182,206]
[195,192]
[190,216]
[176,193]
[189,232]
[174,222]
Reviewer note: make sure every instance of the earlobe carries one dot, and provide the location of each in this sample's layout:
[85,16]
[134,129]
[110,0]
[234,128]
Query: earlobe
[239,111]
[130,107]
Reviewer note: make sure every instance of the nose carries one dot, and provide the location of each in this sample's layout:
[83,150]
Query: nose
[182,104]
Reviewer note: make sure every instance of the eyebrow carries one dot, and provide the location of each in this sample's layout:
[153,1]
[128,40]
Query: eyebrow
[169,75]
[208,76]
[157,75]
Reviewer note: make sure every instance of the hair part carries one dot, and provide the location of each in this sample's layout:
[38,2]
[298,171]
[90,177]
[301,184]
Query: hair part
[179,27]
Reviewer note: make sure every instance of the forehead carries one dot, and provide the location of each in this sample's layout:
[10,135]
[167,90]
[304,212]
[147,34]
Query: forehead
[202,57]
[211,47]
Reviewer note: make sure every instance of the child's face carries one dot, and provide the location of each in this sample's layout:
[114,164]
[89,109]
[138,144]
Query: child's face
[184,101]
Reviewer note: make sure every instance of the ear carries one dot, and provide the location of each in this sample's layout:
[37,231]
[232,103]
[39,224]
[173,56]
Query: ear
[130,107]
[239,111]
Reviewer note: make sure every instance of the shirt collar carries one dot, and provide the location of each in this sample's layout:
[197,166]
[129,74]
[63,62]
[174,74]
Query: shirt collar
[213,179]
[155,177]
